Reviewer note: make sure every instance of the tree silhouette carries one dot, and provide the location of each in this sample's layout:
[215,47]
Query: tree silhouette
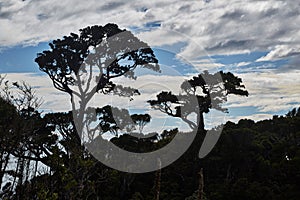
[199,95]
[25,137]
[141,120]
[112,119]
[294,112]
[85,64]
[7,135]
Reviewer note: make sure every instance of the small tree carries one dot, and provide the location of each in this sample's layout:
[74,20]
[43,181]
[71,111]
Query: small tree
[141,120]
[294,113]
[113,119]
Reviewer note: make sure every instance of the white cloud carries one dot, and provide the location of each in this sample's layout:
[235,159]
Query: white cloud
[270,92]
[206,65]
[241,64]
[159,37]
[255,117]
[279,52]
[53,100]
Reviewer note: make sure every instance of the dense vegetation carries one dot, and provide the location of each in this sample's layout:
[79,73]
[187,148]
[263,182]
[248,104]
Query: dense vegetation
[251,161]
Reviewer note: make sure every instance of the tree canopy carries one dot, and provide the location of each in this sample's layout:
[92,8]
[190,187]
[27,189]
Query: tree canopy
[114,52]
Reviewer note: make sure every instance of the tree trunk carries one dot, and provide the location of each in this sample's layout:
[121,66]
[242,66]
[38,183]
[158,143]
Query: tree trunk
[201,185]
[228,174]
[157,184]
[2,171]
[200,121]
[157,181]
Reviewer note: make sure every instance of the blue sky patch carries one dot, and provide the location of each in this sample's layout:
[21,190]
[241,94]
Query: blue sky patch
[20,59]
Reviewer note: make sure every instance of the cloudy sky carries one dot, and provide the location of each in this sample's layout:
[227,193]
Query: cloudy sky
[258,41]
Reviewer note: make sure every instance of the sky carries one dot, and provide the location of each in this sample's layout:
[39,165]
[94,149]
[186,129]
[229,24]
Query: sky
[258,41]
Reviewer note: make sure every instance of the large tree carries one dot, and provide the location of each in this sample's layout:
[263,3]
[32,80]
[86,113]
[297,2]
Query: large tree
[85,64]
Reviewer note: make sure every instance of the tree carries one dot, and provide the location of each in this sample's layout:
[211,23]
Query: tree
[8,116]
[112,119]
[294,112]
[85,64]
[199,95]
[141,120]
[24,135]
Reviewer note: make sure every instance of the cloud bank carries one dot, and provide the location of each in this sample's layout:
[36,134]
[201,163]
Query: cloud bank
[219,27]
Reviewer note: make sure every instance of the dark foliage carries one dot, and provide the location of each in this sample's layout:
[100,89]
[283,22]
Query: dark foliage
[251,161]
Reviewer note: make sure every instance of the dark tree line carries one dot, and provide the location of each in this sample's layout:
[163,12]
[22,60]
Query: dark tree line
[252,160]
